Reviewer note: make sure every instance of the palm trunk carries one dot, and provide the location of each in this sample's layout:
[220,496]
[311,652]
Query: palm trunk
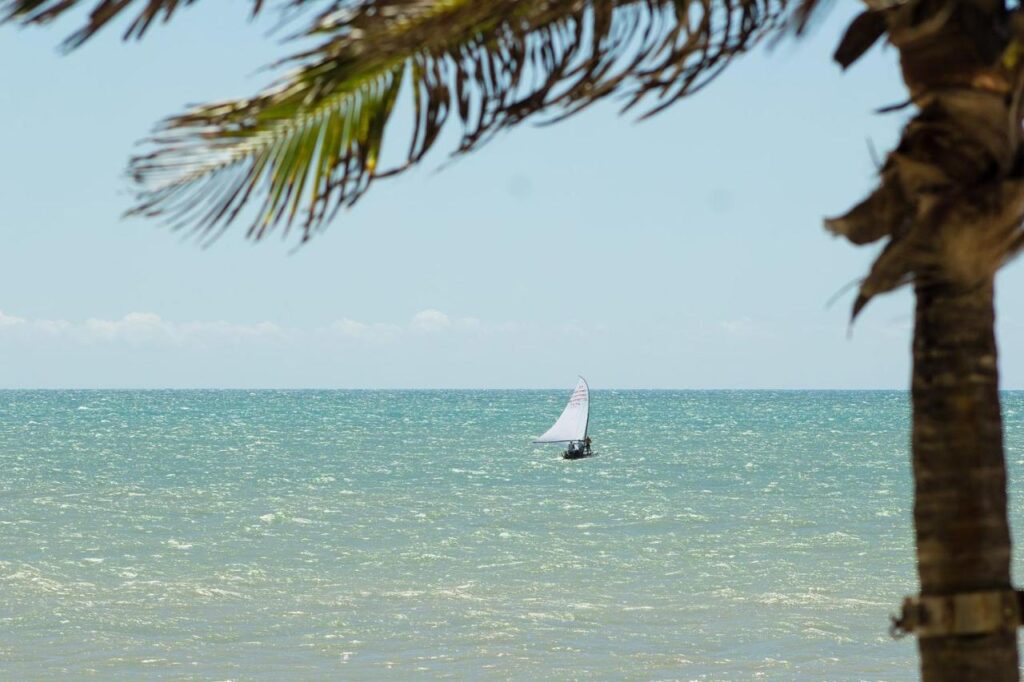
[963,538]
[950,203]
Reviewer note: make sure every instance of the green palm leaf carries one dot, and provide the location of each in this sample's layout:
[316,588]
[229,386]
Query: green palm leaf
[312,143]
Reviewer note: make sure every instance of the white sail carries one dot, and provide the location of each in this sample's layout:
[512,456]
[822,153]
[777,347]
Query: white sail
[572,425]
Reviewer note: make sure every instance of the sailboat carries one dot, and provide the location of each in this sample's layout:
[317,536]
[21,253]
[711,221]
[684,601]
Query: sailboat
[571,426]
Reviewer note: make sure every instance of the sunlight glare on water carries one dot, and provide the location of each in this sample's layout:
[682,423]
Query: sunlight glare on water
[360,535]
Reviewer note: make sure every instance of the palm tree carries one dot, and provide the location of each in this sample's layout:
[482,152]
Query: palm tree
[949,203]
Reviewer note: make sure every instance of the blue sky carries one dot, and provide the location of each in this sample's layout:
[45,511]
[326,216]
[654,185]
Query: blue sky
[682,252]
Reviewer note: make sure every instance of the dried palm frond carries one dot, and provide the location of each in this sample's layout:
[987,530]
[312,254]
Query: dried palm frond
[312,143]
[103,12]
[950,201]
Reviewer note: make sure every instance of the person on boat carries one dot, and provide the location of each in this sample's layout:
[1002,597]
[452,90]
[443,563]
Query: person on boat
[586,444]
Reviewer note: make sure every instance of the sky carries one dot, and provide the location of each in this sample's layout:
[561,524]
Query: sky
[686,251]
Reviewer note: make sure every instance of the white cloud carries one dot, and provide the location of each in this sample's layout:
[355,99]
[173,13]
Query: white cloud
[469,324]
[135,328]
[575,329]
[377,331]
[10,320]
[427,322]
[230,332]
[148,329]
[430,321]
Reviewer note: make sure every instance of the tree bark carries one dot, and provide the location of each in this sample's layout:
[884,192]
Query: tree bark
[963,535]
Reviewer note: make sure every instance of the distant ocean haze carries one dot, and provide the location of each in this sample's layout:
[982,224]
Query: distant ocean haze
[365,535]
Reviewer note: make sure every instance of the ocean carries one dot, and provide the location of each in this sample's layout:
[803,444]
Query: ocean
[379,535]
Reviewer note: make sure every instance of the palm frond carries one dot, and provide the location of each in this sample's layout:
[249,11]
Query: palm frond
[949,204]
[312,143]
[103,12]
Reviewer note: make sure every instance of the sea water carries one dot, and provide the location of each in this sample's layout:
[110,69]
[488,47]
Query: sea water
[377,535]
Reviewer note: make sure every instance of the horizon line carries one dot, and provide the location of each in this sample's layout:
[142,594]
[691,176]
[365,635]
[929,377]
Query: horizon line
[450,388]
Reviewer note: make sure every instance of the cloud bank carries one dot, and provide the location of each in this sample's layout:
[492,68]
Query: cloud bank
[133,328]
[148,328]
[434,348]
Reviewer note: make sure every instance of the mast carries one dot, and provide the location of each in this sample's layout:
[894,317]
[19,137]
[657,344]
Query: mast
[586,424]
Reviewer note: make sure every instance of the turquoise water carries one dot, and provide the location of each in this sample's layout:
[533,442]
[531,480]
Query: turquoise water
[367,535]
